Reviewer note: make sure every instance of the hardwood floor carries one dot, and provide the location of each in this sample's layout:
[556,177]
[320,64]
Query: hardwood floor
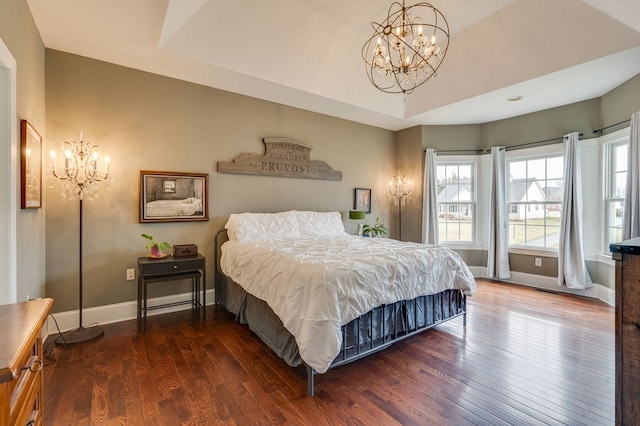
[526,357]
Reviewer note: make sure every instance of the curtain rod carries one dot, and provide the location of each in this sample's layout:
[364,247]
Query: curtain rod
[599,131]
[508,148]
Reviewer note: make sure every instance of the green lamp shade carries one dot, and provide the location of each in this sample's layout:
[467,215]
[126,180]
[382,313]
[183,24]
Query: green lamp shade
[356,214]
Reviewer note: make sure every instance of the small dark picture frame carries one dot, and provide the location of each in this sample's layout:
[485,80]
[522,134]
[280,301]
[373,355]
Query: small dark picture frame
[362,199]
[30,167]
[173,196]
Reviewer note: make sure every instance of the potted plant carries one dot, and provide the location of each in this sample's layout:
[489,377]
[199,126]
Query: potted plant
[375,230]
[157,249]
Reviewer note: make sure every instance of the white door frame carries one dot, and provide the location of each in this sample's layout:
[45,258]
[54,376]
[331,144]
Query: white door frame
[8,177]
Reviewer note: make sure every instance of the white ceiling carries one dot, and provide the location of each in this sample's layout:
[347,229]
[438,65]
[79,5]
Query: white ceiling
[307,54]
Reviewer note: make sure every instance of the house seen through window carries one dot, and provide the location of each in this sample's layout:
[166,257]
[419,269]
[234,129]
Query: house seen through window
[456,203]
[535,201]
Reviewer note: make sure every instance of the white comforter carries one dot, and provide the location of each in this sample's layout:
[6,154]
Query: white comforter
[317,284]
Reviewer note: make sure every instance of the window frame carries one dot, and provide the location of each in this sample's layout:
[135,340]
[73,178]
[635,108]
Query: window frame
[532,154]
[473,163]
[609,143]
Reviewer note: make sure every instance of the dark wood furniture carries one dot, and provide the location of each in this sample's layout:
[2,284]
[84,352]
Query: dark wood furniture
[627,323]
[21,389]
[152,270]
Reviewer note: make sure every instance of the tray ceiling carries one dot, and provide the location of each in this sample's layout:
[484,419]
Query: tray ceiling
[307,54]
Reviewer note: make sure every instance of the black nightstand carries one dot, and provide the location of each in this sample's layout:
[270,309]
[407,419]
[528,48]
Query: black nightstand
[152,270]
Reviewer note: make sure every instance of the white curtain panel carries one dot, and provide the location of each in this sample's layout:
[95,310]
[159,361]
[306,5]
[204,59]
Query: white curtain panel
[498,258]
[430,203]
[572,270]
[631,218]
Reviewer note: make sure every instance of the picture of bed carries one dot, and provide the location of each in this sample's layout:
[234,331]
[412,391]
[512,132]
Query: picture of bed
[173,196]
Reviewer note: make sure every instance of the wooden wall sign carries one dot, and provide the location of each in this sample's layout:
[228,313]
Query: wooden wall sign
[283,157]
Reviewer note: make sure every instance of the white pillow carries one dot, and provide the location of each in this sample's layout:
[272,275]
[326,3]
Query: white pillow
[261,226]
[320,224]
[246,227]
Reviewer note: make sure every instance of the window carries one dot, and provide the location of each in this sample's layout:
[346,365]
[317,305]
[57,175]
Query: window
[456,202]
[535,201]
[615,186]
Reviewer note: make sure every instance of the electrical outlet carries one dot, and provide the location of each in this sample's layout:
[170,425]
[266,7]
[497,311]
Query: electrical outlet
[131,274]
[538,262]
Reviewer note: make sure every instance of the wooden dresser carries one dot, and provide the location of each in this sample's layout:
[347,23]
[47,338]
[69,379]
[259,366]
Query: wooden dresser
[21,361]
[627,257]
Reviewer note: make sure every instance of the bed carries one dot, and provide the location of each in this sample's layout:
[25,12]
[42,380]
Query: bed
[166,208]
[321,297]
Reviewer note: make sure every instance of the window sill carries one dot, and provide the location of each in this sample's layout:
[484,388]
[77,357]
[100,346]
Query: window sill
[462,246]
[603,258]
[534,252]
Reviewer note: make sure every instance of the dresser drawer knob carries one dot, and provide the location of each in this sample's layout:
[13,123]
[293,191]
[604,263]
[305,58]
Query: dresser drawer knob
[34,366]
[175,266]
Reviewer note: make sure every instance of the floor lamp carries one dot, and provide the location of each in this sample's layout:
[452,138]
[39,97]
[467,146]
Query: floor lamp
[81,171]
[399,191]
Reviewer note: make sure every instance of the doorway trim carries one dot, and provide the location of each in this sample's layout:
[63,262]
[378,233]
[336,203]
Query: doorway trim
[8,192]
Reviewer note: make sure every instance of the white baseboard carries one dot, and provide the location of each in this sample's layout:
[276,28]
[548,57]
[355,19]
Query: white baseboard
[598,291]
[118,312]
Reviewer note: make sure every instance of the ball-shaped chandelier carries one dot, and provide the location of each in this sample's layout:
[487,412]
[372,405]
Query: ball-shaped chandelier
[406,50]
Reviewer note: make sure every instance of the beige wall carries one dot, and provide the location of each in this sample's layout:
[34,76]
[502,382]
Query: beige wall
[583,117]
[410,165]
[458,137]
[19,34]
[620,103]
[148,122]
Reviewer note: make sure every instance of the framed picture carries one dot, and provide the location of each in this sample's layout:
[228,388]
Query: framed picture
[173,196]
[362,200]
[30,167]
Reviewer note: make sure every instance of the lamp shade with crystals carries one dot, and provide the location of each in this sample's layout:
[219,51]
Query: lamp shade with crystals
[80,169]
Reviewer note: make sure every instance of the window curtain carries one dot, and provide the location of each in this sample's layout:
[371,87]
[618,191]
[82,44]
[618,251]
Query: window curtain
[498,258]
[572,270]
[631,215]
[430,199]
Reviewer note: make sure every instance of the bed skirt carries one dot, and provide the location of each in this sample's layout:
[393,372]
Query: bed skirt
[369,333]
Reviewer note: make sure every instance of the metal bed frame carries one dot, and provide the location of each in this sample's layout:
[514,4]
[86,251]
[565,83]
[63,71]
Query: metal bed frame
[378,328]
